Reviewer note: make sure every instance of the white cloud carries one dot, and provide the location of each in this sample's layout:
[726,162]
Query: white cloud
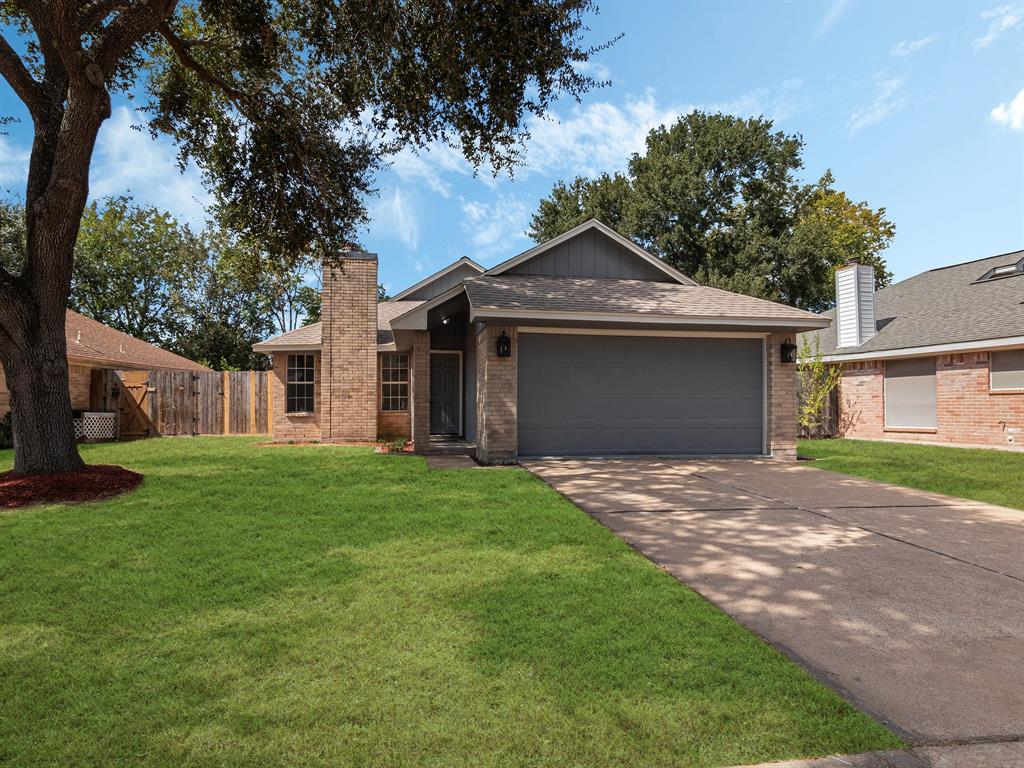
[495,226]
[594,138]
[429,165]
[13,165]
[129,161]
[888,99]
[594,69]
[775,104]
[1002,19]
[906,48]
[830,19]
[1011,113]
[393,216]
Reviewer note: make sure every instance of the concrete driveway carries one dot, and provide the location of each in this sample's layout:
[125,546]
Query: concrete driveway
[909,604]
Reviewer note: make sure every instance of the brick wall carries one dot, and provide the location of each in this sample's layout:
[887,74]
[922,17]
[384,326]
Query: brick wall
[80,386]
[497,435]
[419,375]
[781,400]
[349,392]
[968,412]
[293,426]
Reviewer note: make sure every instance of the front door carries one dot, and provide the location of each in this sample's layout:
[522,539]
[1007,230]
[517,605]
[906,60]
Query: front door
[445,393]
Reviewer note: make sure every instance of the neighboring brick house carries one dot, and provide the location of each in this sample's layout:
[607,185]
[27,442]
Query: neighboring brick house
[93,346]
[936,358]
[583,345]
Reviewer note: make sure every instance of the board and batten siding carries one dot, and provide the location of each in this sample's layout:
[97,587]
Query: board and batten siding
[590,254]
[443,283]
[855,304]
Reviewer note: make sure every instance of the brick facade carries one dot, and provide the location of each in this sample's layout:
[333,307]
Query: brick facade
[781,400]
[497,426]
[419,380]
[293,426]
[968,411]
[349,349]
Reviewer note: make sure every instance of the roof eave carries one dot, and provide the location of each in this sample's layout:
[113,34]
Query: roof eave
[268,349]
[790,324]
[1006,342]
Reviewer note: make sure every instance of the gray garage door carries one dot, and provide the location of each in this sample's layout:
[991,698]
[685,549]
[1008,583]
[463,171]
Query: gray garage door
[607,395]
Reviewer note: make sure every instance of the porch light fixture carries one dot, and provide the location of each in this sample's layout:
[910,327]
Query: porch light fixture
[788,351]
[504,345]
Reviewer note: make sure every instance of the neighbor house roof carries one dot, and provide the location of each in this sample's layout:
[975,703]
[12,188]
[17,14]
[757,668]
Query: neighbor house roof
[944,306]
[310,337]
[591,298]
[91,342]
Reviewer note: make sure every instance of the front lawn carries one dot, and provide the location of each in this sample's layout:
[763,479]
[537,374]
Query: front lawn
[317,606]
[994,477]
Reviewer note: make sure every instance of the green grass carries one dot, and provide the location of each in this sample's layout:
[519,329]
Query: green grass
[307,606]
[994,477]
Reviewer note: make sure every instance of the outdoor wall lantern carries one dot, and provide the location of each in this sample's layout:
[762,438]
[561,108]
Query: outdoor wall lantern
[788,351]
[504,345]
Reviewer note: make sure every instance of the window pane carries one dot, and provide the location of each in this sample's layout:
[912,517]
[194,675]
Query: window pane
[910,393]
[1008,369]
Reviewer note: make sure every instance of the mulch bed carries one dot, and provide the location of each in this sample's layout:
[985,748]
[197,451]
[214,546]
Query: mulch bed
[99,481]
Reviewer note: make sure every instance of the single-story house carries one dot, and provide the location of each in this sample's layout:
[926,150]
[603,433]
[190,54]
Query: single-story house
[584,345]
[936,358]
[95,346]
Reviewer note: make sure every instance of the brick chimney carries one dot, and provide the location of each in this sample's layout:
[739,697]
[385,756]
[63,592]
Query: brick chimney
[855,303]
[348,389]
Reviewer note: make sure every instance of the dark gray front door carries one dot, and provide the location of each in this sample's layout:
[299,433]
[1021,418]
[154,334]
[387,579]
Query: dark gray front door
[445,394]
[611,395]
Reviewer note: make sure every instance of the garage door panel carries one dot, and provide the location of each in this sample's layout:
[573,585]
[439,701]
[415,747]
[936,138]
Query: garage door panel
[619,395]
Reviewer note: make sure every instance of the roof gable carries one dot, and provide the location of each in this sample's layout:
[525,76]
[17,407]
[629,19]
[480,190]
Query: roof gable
[440,281]
[591,250]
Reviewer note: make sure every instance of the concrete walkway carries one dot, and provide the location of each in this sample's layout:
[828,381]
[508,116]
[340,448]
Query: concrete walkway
[909,604]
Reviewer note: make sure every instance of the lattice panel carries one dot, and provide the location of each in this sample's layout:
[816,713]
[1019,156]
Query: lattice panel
[99,426]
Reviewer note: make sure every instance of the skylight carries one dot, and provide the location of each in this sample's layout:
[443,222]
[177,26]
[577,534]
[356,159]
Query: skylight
[1004,270]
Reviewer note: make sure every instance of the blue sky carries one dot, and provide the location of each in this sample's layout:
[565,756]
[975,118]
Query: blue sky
[916,107]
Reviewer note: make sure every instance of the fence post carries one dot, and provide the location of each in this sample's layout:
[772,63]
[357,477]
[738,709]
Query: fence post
[226,387]
[252,402]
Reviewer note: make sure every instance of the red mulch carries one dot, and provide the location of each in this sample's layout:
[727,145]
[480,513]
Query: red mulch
[100,481]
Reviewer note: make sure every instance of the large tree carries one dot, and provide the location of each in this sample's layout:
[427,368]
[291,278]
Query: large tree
[719,198]
[285,105]
[134,265]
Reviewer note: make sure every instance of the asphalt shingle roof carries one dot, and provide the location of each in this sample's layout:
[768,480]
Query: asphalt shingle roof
[941,306]
[99,344]
[311,335]
[606,295]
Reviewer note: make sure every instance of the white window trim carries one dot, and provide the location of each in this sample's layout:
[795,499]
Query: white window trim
[288,367]
[1000,390]
[407,382]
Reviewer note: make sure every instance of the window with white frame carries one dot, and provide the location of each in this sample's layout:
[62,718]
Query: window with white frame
[1007,369]
[299,384]
[394,381]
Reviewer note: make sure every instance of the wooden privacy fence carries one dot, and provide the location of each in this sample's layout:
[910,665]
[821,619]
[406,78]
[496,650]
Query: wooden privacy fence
[164,403]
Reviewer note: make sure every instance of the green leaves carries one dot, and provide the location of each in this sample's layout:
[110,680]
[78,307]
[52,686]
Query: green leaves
[718,197]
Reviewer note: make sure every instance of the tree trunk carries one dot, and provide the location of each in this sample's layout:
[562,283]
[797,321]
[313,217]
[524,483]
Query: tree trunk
[33,347]
[37,377]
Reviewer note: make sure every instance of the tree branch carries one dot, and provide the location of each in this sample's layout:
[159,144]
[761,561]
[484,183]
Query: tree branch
[181,49]
[127,28]
[24,85]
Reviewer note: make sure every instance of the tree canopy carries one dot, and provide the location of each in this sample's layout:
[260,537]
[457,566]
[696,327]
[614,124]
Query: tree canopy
[286,106]
[718,197]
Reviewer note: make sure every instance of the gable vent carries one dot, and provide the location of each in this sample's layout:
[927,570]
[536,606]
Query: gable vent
[855,304]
